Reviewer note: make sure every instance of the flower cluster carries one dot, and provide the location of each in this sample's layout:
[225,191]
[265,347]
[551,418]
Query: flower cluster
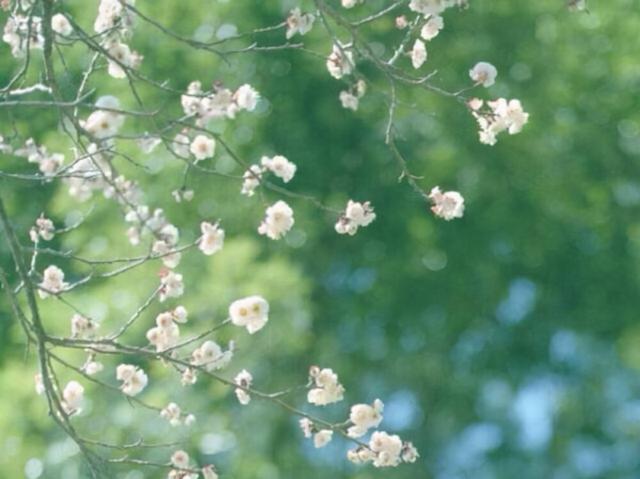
[72,397]
[171,285]
[166,333]
[497,116]
[484,74]
[355,215]
[221,103]
[278,165]
[23,32]
[384,450]
[48,163]
[350,99]
[327,388]
[340,61]
[172,413]
[82,327]
[298,22]
[43,229]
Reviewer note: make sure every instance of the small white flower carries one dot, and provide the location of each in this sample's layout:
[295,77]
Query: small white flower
[448,205]
[208,472]
[243,379]
[307,426]
[43,229]
[180,459]
[212,238]
[279,166]
[172,414]
[328,390]
[72,396]
[432,27]
[125,59]
[340,62]
[349,100]
[418,54]
[61,25]
[93,367]
[484,74]
[171,285]
[211,356]
[278,220]
[133,378]
[409,452]
[251,312]
[365,417]
[356,215]
[298,22]
[387,449]
[52,282]
[203,147]
[251,180]
[322,438]
[246,97]
[82,327]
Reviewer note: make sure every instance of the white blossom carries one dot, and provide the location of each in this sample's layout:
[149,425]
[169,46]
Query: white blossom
[171,285]
[93,367]
[72,395]
[500,115]
[243,379]
[121,59]
[133,378]
[387,449]
[418,54]
[82,327]
[246,97]
[21,31]
[52,282]
[349,100]
[298,22]
[279,166]
[350,3]
[104,123]
[208,472]
[409,453]
[356,215]
[212,238]
[180,459]
[364,417]
[322,438]
[307,426]
[448,205]
[340,62]
[251,312]
[251,180]
[172,413]
[43,229]
[211,356]
[484,74]
[328,390]
[61,25]
[203,147]
[432,27]
[278,220]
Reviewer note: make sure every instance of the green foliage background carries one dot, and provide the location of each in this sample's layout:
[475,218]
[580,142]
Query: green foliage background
[505,344]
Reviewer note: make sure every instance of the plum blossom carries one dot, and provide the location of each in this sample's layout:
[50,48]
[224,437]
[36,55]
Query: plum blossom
[203,147]
[328,390]
[356,215]
[298,22]
[340,61]
[180,459]
[364,417]
[418,54]
[322,438]
[484,74]
[498,116]
[21,32]
[209,472]
[387,449]
[212,238]
[121,59]
[48,163]
[211,356]
[172,413]
[82,327]
[165,334]
[72,395]
[279,166]
[133,378]
[52,282]
[349,100]
[246,97]
[432,27]
[448,205]
[278,220]
[244,380]
[171,285]
[251,312]
[93,367]
[61,25]
[251,180]
[43,229]
[104,123]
